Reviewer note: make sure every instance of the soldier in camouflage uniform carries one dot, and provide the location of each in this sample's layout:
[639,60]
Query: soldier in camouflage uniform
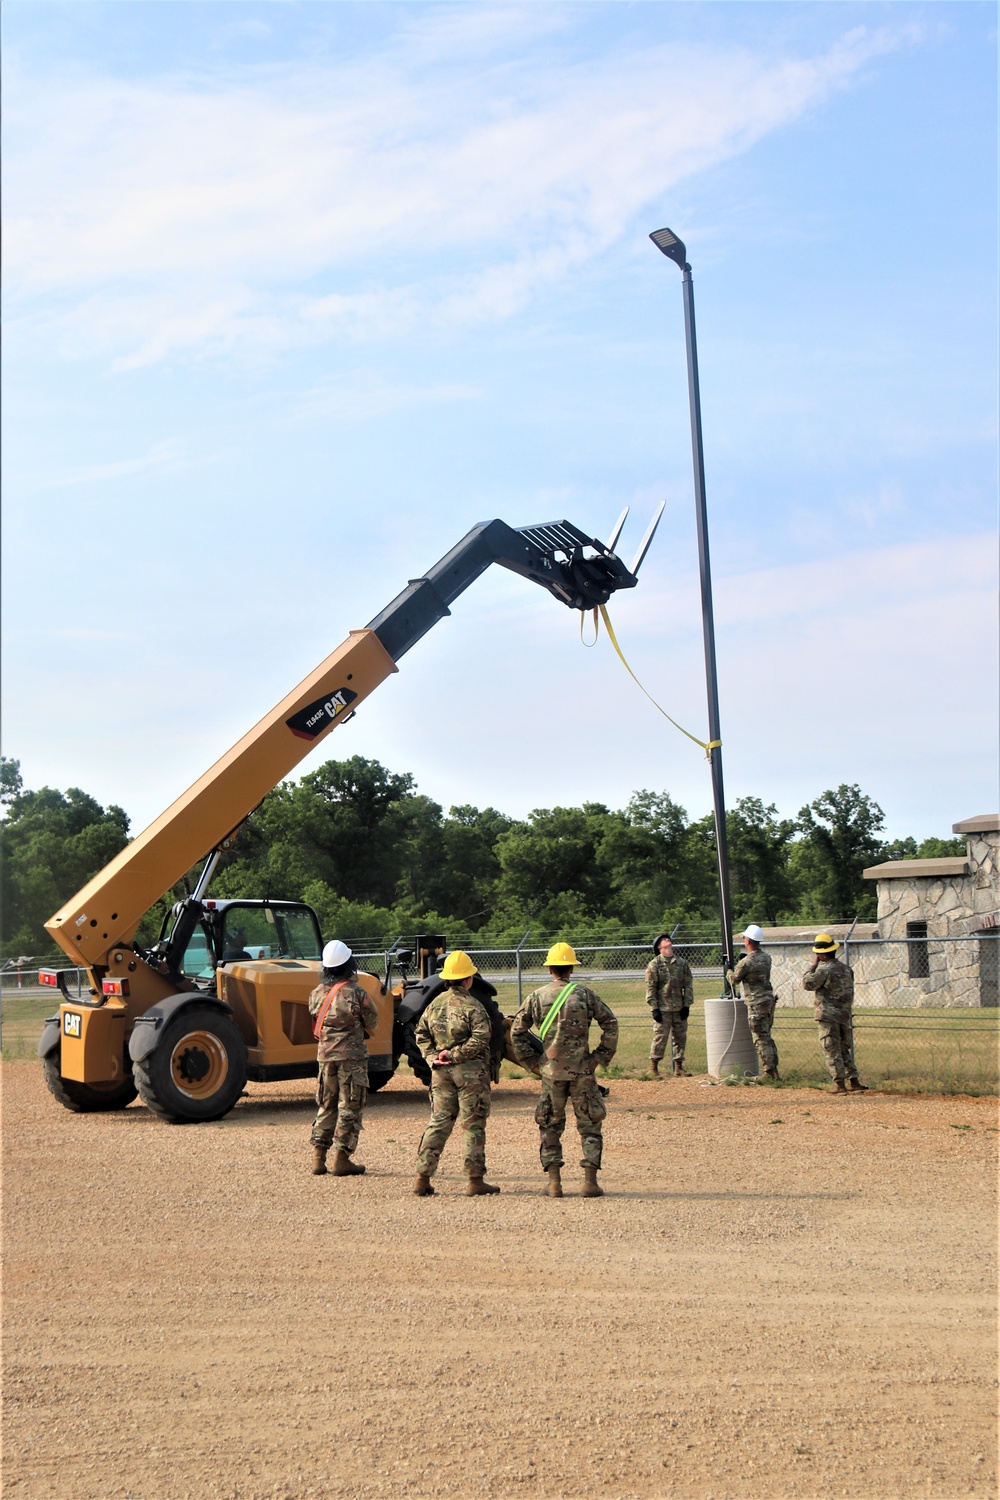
[754,973]
[670,994]
[345,1016]
[454,1036]
[832,986]
[561,1012]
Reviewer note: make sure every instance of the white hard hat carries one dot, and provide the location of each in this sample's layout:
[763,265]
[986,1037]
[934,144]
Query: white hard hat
[754,933]
[336,954]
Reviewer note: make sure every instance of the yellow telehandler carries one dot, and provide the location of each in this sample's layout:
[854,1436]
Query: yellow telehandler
[221,996]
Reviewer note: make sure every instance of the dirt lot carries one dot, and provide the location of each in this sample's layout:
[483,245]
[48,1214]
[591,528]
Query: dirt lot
[782,1294]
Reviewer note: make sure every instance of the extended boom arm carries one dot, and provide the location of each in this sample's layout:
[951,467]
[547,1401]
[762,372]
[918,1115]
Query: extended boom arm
[579,570]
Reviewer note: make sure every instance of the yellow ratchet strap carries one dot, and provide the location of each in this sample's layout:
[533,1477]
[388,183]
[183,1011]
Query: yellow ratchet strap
[707,745]
[554,1010]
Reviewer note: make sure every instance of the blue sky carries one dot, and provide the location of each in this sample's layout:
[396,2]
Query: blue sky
[297,293]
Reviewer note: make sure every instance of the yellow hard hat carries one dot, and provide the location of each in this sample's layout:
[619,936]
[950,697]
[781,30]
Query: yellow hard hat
[824,943]
[458,965]
[560,956]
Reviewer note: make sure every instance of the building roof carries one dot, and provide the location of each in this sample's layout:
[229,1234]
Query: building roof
[984,823]
[918,869]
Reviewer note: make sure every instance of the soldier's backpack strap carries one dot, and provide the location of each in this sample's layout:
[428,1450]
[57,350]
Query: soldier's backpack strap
[554,1009]
[325,1006]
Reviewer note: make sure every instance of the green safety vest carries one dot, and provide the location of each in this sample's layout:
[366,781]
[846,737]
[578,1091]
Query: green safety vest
[554,1009]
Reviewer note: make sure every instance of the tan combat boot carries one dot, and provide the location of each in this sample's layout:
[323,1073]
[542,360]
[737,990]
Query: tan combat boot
[319,1160]
[654,1066]
[840,1086]
[422,1187]
[344,1167]
[554,1189]
[478,1188]
[591,1189]
[679,1069]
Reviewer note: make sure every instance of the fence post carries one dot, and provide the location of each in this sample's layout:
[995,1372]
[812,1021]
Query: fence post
[518,954]
[847,941]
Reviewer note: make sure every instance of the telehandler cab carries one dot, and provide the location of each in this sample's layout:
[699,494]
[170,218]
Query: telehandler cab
[221,996]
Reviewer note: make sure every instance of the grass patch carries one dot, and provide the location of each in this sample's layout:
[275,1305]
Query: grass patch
[943,1051]
[24,1015]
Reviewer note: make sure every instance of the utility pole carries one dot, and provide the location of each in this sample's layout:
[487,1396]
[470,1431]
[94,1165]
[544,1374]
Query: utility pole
[673,248]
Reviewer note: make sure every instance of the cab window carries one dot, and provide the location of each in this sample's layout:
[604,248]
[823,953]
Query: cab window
[255,932]
[300,936]
[248,935]
[199,960]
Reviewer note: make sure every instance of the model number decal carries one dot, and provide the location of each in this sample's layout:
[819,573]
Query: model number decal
[72,1023]
[312,720]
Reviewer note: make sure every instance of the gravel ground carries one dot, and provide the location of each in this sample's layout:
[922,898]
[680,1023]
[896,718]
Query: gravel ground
[782,1294]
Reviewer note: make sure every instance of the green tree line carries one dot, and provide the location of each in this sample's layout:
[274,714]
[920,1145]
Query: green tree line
[376,858]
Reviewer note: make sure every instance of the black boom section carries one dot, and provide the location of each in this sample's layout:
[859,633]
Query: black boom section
[552,555]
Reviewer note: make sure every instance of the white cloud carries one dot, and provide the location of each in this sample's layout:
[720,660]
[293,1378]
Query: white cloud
[257,31]
[448,178]
[161,457]
[83,634]
[360,399]
[879,667]
[849,585]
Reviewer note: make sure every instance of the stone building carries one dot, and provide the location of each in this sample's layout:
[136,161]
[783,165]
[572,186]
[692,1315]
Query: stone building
[936,941]
[957,902]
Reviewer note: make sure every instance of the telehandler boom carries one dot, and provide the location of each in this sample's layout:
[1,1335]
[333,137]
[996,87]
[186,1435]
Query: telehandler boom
[221,997]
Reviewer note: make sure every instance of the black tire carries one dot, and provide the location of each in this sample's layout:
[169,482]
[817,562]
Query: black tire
[528,1052]
[86,1098]
[484,992]
[198,1069]
[378,1078]
[413,1054]
[498,1032]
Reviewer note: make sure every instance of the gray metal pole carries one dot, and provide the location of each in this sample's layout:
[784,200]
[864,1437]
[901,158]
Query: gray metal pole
[708,622]
[519,947]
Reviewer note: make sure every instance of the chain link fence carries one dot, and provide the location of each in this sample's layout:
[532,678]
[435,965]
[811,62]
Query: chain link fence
[926,1014]
[926,1011]
[888,972]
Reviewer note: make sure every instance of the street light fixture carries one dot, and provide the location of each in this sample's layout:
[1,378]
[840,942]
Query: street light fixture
[674,249]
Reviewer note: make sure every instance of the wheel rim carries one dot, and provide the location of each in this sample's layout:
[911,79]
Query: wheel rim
[199,1064]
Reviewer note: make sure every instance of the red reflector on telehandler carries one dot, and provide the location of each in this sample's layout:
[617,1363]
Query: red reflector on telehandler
[47,976]
[114,986]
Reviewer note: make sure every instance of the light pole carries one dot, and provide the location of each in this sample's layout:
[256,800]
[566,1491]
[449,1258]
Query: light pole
[673,248]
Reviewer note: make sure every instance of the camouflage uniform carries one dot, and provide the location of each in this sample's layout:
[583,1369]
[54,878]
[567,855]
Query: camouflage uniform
[567,1067]
[670,990]
[754,973]
[832,984]
[456,1023]
[342,1085]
